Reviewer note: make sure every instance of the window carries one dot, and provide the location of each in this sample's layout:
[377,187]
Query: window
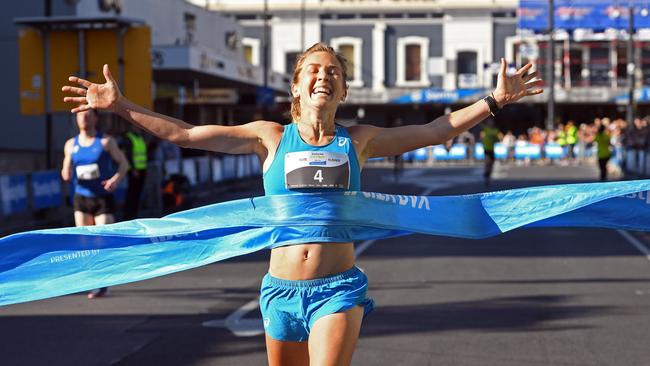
[231,40]
[412,54]
[347,50]
[251,50]
[290,59]
[599,65]
[575,67]
[248,54]
[189,20]
[350,48]
[466,69]
[621,66]
[645,62]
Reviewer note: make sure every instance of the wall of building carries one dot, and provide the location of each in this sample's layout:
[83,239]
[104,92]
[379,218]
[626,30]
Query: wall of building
[286,36]
[167,21]
[257,32]
[433,32]
[467,33]
[23,138]
[363,32]
[502,30]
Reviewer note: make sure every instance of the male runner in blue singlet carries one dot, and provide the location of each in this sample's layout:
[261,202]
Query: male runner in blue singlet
[88,163]
[313,298]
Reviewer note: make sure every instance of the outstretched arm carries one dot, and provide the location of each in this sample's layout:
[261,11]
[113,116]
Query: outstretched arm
[397,140]
[241,139]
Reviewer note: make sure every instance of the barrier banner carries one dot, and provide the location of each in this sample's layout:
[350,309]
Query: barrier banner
[554,151]
[46,189]
[45,263]
[13,193]
[528,151]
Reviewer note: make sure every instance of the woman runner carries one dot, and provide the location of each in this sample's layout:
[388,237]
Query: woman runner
[313,298]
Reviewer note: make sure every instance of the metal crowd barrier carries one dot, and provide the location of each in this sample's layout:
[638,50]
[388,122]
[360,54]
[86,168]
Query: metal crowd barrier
[521,151]
[30,192]
[26,193]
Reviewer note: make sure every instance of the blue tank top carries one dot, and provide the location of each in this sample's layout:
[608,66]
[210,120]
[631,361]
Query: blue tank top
[91,165]
[301,168]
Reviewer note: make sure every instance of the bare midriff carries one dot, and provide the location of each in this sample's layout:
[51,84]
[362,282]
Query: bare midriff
[311,260]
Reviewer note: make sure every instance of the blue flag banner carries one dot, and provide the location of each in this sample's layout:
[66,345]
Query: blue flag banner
[437,95]
[590,14]
[45,263]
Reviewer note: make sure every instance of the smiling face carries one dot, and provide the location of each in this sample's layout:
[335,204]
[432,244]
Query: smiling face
[320,82]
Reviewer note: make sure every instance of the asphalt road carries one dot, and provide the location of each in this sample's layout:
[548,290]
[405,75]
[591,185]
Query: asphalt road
[527,297]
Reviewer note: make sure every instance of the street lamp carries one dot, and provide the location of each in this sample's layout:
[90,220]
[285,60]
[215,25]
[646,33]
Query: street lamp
[631,68]
[550,61]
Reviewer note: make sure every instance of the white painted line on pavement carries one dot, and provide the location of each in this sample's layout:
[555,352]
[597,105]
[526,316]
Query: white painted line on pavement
[238,326]
[636,242]
[363,246]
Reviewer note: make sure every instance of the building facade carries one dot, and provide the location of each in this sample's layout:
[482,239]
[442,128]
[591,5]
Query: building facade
[408,60]
[198,65]
[592,67]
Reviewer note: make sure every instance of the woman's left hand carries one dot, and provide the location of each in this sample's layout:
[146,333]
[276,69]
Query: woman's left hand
[511,88]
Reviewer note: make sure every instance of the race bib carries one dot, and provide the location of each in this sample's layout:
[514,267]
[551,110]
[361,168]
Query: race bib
[316,169]
[87,172]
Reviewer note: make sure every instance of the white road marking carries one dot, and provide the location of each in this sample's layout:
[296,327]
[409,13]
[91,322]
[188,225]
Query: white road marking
[238,326]
[636,242]
[254,327]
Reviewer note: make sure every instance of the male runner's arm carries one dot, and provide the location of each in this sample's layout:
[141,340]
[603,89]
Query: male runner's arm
[66,169]
[380,142]
[123,166]
[242,139]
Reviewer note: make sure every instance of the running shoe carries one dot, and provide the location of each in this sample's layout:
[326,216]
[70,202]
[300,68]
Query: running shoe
[100,292]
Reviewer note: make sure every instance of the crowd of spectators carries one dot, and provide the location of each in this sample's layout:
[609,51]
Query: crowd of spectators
[578,140]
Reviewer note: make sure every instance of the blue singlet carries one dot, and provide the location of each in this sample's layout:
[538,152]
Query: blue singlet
[302,168]
[91,165]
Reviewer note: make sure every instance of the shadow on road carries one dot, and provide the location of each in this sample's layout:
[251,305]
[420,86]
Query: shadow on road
[499,314]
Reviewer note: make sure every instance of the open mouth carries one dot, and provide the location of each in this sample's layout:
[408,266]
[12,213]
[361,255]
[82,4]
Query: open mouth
[321,90]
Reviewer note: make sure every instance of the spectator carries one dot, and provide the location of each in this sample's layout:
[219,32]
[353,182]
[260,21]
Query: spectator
[509,142]
[135,150]
[571,138]
[603,142]
[490,136]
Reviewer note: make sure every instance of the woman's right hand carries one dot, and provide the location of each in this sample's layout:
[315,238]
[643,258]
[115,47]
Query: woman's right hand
[95,96]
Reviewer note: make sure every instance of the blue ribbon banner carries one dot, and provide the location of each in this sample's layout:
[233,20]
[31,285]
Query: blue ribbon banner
[45,263]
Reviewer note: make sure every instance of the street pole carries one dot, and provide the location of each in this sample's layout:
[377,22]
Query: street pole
[265,54]
[49,148]
[550,61]
[631,69]
[302,25]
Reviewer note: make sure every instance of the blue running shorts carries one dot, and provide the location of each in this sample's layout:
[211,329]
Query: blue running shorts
[290,308]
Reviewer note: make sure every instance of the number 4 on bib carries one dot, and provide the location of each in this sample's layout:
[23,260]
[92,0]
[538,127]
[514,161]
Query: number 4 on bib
[316,170]
[319,176]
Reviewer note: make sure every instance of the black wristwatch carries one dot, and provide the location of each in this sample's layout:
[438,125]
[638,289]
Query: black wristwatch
[492,104]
